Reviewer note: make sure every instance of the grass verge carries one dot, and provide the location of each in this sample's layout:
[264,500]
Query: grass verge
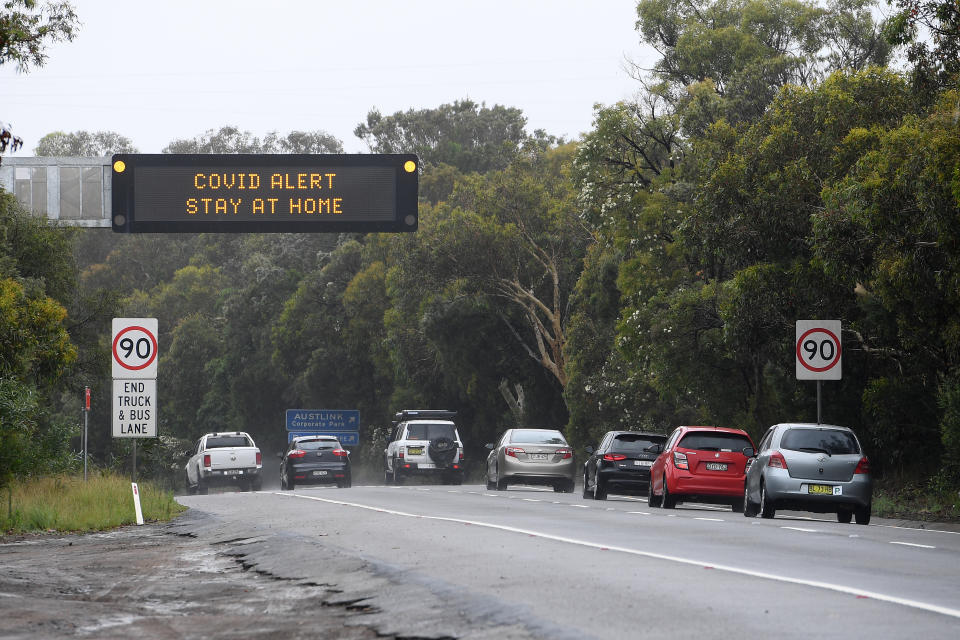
[68,504]
[916,502]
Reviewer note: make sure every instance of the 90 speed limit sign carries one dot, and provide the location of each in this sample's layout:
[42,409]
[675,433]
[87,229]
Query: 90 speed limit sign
[818,350]
[134,347]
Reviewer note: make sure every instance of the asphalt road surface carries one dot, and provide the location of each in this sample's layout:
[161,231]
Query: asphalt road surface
[422,561]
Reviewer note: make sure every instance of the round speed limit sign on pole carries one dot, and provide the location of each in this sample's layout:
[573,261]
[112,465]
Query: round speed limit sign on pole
[818,350]
[134,347]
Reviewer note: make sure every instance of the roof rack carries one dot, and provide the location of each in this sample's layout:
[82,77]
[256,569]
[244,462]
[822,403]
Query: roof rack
[423,414]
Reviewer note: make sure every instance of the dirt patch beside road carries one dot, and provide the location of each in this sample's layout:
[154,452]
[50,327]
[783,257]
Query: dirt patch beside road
[145,582]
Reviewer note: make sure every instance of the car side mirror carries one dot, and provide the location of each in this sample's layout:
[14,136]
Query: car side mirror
[749,452]
[489,445]
[589,450]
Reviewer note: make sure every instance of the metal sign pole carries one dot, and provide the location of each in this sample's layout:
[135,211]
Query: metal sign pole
[134,459]
[85,420]
[819,388]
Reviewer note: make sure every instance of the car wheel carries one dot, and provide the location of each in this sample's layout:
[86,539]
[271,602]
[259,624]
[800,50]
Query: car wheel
[750,510]
[766,506]
[844,516]
[202,487]
[599,490]
[863,514]
[652,500]
[569,486]
[586,487]
[669,502]
[190,488]
[491,485]
[290,483]
[501,484]
[256,485]
[737,506]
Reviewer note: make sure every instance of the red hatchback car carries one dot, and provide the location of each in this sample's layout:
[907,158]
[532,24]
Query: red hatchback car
[701,464]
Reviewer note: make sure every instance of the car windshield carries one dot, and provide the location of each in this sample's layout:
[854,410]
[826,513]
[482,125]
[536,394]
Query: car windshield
[714,441]
[634,443]
[220,442]
[536,436]
[313,445]
[829,441]
[430,431]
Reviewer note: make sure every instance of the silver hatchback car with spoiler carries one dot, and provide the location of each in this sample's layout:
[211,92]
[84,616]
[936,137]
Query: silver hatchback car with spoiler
[809,467]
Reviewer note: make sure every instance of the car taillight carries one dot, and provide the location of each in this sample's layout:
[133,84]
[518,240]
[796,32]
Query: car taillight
[680,460]
[340,453]
[461,456]
[513,451]
[297,453]
[863,466]
[259,459]
[400,453]
[206,459]
[777,461]
[614,457]
[566,453]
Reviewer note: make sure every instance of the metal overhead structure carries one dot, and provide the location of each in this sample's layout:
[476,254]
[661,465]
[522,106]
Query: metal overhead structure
[70,191]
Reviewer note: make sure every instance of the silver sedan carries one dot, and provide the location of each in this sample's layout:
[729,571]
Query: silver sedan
[531,456]
[809,467]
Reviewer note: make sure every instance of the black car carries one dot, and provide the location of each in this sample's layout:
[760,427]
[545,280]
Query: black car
[621,462]
[315,460]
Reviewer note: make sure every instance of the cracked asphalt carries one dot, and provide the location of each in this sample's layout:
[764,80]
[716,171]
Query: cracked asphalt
[150,582]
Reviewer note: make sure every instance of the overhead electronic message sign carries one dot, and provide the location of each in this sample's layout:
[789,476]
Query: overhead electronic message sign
[158,193]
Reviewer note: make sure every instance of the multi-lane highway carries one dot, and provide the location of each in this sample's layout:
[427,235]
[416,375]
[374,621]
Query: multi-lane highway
[462,561]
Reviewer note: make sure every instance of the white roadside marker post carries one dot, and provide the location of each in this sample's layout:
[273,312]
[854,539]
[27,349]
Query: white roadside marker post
[136,501]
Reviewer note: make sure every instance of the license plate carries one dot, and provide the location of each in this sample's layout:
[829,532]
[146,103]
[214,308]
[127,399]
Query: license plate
[415,451]
[537,456]
[319,473]
[233,472]
[427,465]
[824,489]
[716,466]
[643,463]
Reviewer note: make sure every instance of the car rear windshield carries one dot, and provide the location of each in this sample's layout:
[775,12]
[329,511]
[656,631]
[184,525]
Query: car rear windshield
[428,431]
[313,445]
[220,442]
[635,443]
[714,441]
[831,441]
[532,436]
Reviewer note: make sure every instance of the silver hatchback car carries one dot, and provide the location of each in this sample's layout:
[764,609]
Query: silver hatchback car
[531,456]
[809,467]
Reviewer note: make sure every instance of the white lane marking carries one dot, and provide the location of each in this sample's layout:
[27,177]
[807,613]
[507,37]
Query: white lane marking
[531,500]
[854,591]
[711,519]
[911,544]
[640,513]
[580,506]
[891,526]
[801,529]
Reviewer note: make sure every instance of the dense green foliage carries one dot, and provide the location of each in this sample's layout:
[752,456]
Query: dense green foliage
[773,168]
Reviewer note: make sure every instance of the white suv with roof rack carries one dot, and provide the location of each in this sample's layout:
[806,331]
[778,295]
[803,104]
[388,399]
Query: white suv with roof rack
[424,442]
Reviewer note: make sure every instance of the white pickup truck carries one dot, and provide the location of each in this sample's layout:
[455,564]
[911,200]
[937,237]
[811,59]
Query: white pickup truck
[225,458]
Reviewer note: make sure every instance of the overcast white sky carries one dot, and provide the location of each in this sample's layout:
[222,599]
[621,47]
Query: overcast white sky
[170,69]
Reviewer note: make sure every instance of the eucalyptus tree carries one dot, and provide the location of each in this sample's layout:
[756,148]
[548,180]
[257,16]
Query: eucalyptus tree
[646,173]
[469,136]
[83,144]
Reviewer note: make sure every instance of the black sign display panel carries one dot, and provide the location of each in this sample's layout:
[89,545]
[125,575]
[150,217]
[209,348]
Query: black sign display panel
[160,193]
